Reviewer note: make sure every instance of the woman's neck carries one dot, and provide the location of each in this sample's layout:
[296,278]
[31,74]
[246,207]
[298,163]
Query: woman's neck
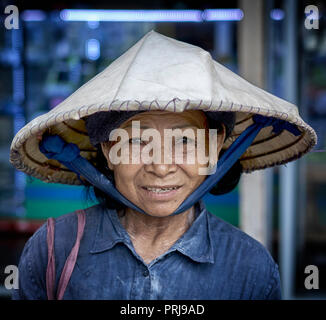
[152,236]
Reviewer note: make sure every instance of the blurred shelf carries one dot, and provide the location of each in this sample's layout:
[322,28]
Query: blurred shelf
[20,226]
[317,172]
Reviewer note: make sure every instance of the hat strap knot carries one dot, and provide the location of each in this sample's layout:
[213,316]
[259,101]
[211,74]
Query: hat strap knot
[54,147]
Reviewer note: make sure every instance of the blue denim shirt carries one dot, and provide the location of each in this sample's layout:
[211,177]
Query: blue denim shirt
[211,260]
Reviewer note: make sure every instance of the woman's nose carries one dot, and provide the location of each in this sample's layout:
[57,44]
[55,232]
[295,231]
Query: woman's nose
[160,170]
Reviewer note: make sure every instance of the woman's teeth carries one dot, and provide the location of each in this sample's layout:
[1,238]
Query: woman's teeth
[160,190]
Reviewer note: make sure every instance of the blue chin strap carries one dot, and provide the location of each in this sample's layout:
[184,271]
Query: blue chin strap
[54,147]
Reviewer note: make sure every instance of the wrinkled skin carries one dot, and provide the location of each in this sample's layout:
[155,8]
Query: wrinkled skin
[155,233]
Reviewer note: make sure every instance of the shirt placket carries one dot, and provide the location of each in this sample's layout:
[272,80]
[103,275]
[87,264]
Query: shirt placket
[142,283]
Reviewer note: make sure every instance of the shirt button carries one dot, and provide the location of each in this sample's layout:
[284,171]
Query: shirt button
[145,273]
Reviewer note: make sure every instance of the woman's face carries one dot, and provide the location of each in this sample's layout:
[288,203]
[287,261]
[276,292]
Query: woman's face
[159,188]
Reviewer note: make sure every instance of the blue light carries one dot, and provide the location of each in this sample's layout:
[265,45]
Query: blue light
[152,15]
[131,15]
[93,49]
[93,24]
[223,14]
[91,15]
[277,14]
[33,15]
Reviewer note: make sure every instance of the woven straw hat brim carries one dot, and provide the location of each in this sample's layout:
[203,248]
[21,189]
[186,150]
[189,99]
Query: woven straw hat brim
[161,73]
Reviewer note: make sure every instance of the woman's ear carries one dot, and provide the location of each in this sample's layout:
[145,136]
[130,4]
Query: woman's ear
[105,146]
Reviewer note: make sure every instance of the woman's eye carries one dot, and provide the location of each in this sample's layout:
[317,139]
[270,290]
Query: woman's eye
[186,140]
[135,141]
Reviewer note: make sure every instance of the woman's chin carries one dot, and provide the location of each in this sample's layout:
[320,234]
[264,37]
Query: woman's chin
[160,211]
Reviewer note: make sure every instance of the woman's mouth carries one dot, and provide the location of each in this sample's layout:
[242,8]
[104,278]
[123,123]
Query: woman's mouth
[160,192]
[160,189]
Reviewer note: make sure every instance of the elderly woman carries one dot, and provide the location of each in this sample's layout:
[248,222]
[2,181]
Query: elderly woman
[150,236]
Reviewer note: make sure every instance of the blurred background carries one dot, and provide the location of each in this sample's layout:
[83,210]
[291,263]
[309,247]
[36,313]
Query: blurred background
[276,45]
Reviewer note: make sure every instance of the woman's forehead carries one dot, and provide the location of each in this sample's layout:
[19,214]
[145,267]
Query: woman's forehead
[195,118]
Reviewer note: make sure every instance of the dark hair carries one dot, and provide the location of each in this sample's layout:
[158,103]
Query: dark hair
[103,198]
[228,182]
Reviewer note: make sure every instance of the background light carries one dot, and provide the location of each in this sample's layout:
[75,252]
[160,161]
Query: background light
[277,14]
[33,15]
[223,14]
[152,15]
[131,15]
[93,49]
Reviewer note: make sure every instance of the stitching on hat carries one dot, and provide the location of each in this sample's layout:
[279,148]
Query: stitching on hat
[122,104]
[65,115]
[150,106]
[39,126]
[87,110]
[32,129]
[142,105]
[220,106]
[209,107]
[187,104]
[51,117]
[102,106]
[159,106]
[167,104]
[197,107]
[81,111]
[112,102]
[139,104]
[174,101]
[58,114]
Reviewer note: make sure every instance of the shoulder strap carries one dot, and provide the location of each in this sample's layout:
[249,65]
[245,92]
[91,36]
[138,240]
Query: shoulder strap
[50,270]
[70,262]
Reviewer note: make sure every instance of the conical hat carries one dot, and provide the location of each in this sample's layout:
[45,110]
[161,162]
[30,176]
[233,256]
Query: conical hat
[161,73]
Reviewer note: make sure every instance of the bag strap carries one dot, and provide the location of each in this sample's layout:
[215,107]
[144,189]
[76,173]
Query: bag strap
[70,262]
[50,270]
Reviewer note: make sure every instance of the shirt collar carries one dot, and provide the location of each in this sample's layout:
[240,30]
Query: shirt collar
[195,243]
